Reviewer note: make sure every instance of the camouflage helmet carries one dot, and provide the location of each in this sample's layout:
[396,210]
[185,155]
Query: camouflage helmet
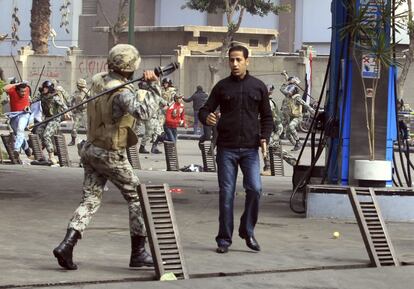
[81,83]
[124,58]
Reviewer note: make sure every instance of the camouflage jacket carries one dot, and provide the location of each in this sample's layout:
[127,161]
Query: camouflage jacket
[77,97]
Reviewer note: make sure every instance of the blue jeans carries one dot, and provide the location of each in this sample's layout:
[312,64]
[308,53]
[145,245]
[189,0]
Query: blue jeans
[228,161]
[170,134]
[19,123]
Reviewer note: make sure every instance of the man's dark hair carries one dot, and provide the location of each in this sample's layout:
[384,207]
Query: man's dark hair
[239,48]
[21,86]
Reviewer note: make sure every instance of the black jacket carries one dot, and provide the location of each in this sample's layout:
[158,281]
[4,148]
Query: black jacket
[241,103]
[199,98]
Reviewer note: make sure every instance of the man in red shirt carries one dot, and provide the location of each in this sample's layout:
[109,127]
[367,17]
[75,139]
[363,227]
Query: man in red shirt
[19,97]
[174,117]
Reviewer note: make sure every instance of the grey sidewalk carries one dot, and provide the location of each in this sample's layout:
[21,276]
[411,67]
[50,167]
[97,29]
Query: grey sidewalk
[37,202]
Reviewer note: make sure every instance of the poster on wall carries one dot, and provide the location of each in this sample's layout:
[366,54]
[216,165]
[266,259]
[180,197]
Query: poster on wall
[370,67]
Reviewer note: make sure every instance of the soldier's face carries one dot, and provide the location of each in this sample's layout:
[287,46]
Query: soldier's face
[238,64]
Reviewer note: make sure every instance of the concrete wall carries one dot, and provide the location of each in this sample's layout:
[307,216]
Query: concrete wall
[193,70]
[67,69]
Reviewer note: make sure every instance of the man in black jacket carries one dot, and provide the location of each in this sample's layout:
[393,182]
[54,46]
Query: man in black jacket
[199,98]
[242,99]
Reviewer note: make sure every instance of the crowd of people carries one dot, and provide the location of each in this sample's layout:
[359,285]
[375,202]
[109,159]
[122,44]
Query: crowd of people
[237,121]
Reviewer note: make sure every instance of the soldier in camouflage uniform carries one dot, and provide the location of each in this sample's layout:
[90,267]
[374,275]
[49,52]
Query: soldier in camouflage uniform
[111,119]
[154,128]
[275,136]
[62,92]
[79,115]
[168,90]
[294,103]
[52,104]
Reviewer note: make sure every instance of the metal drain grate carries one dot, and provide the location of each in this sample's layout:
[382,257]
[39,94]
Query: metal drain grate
[61,150]
[276,161]
[8,141]
[36,145]
[162,230]
[207,153]
[171,156]
[372,226]
[133,157]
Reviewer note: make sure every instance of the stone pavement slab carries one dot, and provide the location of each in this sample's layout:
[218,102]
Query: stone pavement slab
[37,202]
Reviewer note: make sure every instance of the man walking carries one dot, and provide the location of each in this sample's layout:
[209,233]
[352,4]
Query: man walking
[111,119]
[199,98]
[242,99]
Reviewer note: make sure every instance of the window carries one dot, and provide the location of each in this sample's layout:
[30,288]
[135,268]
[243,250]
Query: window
[202,40]
[253,42]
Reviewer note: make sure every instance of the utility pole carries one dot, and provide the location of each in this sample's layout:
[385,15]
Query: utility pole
[131,26]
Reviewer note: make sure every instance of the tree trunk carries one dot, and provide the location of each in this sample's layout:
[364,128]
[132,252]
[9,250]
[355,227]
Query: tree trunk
[40,25]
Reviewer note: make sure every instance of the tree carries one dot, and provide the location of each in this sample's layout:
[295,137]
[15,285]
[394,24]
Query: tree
[367,28]
[409,53]
[121,21]
[40,26]
[234,9]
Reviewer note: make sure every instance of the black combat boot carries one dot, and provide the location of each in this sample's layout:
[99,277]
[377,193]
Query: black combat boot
[297,146]
[139,257]
[64,251]
[73,141]
[142,150]
[154,148]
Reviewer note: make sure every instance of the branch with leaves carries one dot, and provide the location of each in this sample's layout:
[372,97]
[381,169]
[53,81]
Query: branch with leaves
[64,14]
[15,25]
[121,22]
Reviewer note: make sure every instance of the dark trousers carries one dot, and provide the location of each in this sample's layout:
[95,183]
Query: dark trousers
[228,161]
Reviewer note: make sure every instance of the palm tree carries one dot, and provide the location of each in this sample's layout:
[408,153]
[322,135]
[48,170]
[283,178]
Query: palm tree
[40,25]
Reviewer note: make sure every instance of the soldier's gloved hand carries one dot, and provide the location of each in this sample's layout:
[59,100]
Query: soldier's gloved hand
[149,75]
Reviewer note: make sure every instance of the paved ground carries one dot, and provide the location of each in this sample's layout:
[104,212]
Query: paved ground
[36,203]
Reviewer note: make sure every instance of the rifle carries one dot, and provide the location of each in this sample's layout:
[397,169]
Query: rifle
[159,71]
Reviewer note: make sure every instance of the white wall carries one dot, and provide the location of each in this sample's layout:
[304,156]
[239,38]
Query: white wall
[169,13]
[62,39]
[313,20]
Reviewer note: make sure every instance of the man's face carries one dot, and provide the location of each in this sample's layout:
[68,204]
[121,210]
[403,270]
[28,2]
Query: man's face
[238,64]
[20,92]
[45,90]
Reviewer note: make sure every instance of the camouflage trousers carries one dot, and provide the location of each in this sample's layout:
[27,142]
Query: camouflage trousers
[292,129]
[275,143]
[46,132]
[101,165]
[153,129]
[79,120]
